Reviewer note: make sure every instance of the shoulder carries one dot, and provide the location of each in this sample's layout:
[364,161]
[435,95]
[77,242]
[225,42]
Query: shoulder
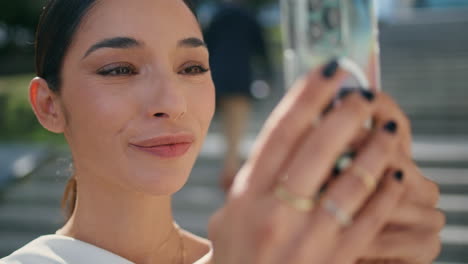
[198,249]
[57,249]
[36,251]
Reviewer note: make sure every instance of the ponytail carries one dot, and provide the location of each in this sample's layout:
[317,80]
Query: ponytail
[69,198]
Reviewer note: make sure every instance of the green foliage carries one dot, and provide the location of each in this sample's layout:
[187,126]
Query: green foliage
[24,13]
[18,19]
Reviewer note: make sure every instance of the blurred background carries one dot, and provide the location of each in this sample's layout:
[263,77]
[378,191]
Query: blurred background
[424,63]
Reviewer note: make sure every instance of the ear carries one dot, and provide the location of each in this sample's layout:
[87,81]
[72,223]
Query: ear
[46,105]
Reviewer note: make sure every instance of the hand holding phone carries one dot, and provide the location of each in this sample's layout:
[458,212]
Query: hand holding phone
[318,31]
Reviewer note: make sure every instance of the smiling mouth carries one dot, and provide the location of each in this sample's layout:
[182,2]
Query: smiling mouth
[166,151]
[166,147]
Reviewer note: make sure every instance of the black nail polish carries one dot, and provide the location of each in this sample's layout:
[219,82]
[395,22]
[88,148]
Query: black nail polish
[368,95]
[330,70]
[399,176]
[329,108]
[345,92]
[324,188]
[336,172]
[391,127]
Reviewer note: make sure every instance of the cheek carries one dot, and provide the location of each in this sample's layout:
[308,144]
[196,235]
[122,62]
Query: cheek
[96,119]
[202,104]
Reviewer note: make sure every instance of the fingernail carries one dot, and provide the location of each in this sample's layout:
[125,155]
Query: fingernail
[330,70]
[345,93]
[329,108]
[336,172]
[324,188]
[391,127]
[399,176]
[368,95]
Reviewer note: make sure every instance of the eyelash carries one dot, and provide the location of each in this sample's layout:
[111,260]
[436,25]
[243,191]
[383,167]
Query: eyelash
[127,70]
[200,70]
[116,70]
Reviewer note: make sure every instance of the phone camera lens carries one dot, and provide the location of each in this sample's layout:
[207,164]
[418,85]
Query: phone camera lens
[332,18]
[316,32]
[315,4]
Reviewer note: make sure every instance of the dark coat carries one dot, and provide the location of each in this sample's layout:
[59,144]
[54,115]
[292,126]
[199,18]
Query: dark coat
[234,38]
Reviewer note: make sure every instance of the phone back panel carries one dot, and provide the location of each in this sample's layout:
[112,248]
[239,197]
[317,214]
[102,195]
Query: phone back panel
[316,31]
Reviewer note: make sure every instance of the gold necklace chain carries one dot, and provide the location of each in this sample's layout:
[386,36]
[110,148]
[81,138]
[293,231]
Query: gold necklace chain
[164,243]
[181,244]
[181,249]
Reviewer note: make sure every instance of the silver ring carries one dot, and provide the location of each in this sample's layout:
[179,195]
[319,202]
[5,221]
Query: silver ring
[343,218]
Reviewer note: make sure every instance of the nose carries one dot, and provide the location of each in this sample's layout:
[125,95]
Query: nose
[166,99]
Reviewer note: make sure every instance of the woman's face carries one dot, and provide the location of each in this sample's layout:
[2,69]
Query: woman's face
[137,71]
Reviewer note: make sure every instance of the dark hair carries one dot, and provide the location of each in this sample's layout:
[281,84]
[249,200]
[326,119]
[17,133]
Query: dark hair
[57,26]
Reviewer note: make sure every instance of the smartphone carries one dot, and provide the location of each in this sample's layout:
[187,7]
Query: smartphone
[317,31]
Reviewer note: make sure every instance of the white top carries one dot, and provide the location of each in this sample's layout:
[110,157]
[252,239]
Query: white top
[58,249]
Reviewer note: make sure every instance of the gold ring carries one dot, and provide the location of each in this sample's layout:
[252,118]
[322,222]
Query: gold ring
[369,181]
[341,216]
[298,203]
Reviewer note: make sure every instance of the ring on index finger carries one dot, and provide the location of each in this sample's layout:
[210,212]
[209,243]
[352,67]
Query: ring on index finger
[302,204]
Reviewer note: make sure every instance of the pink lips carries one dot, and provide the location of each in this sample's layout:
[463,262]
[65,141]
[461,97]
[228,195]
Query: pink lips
[168,146]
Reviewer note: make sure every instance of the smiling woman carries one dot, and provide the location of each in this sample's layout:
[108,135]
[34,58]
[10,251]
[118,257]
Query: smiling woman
[125,93]
[128,84]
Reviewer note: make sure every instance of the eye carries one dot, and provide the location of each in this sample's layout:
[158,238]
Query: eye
[117,70]
[194,70]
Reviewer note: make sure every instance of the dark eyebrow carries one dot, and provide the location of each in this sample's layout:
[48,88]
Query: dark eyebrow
[114,43]
[191,43]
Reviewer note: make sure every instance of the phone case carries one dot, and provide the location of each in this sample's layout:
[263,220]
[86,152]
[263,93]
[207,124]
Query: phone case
[316,31]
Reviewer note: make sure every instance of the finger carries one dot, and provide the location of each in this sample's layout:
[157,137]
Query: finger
[361,138]
[351,189]
[348,193]
[388,109]
[408,246]
[328,246]
[370,220]
[381,261]
[314,160]
[412,215]
[277,228]
[420,189]
[286,126]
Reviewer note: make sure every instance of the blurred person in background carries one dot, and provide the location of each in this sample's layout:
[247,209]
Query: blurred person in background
[235,39]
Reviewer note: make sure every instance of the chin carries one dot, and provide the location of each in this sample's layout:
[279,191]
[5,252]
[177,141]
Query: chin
[158,182]
[157,177]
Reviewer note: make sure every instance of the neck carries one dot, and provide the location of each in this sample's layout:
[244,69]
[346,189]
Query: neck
[133,225]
